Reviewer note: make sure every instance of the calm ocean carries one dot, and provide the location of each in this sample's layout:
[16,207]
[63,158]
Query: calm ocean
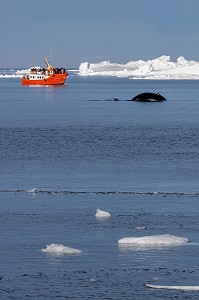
[66,151]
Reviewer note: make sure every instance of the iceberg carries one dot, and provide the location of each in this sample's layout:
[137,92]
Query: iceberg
[158,68]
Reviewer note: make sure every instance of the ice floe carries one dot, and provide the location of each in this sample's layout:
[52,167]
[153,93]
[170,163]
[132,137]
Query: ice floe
[158,68]
[174,287]
[60,249]
[154,241]
[101,214]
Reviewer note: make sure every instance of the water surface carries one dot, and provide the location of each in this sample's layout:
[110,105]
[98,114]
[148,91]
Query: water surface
[81,151]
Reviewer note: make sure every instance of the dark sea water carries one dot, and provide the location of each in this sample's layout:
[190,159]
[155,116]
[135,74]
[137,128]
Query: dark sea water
[66,151]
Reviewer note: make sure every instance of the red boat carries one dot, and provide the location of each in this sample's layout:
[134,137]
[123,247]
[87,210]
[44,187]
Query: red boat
[46,76]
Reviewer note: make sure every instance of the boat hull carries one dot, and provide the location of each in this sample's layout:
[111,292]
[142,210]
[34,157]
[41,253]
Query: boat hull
[53,79]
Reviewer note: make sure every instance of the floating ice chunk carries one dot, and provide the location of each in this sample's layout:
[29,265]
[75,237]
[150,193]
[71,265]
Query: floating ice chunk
[140,227]
[101,214]
[31,191]
[174,287]
[156,240]
[60,249]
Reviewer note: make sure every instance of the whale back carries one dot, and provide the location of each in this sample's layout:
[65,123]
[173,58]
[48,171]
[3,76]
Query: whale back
[149,97]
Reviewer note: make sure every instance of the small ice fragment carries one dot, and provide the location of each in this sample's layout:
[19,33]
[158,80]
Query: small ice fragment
[60,249]
[100,214]
[32,191]
[140,227]
[156,278]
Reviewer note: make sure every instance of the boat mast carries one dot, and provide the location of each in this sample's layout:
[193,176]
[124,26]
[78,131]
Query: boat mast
[49,67]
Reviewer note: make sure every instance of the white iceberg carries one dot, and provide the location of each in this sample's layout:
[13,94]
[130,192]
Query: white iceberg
[60,249]
[101,214]
[158,68]
[154,241]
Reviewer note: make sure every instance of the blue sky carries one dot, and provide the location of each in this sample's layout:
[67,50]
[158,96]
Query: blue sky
[96,30]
